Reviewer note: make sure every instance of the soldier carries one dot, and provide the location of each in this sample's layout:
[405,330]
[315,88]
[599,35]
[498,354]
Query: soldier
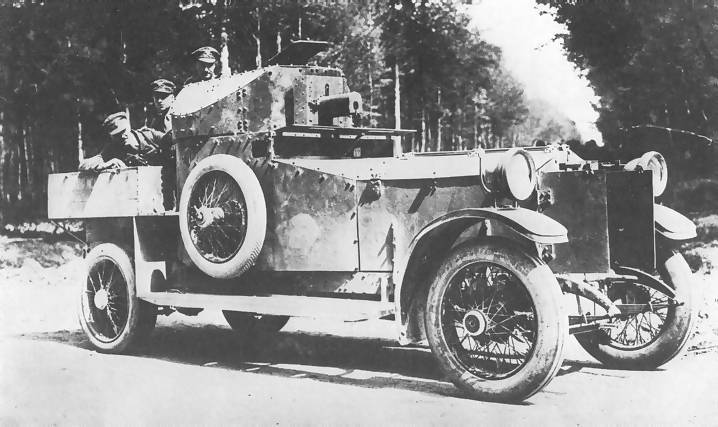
[163,95]
[127,147]
[204,67]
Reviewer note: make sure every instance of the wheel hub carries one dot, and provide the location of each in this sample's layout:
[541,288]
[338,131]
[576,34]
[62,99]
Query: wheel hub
[475,323]
[101,299]
[207,216]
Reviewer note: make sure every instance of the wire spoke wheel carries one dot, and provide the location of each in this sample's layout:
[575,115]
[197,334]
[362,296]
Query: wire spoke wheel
[653,328]
[494,321]
[222,216]
[217,217]
[648,310]
[489,320]
[105,303]
[110,313]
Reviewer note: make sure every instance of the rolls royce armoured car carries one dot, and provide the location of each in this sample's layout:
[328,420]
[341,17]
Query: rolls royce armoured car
[280,205]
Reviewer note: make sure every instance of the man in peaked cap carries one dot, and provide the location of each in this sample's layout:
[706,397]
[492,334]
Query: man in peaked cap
[127,147]
[163,95]
[205,61]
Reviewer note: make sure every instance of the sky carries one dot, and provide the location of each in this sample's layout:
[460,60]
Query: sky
[536,60]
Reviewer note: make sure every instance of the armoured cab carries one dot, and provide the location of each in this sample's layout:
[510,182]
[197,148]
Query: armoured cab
[267,119]
[281,109]
[268,98]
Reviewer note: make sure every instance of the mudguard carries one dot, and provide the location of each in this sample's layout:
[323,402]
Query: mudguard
[672,225]
[533,225]
[530,224]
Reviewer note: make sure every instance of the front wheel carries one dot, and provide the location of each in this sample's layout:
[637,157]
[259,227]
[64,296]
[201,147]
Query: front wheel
[494,321]
[110,313]
[654,328]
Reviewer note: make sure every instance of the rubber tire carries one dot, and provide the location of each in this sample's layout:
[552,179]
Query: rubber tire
[676,330]
[142,315]
[552,329]
[252,324]
[256,216]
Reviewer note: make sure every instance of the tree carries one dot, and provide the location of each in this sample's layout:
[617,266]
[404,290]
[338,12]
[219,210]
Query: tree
[67,65]
[446,68]
[654,66]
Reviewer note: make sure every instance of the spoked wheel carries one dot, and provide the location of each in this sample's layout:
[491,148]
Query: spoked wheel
[223,216]
[253,324]
[111,315]
[494,321]
[217,217]
[653,328]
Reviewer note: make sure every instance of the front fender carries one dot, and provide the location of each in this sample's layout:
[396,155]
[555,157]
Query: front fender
[672,225]
[532,225]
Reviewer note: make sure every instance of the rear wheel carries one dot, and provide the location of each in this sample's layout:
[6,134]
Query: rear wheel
[110,313]
[253,324]
[494,321]
[654,328]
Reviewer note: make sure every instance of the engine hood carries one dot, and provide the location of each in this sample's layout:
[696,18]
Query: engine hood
[408,166]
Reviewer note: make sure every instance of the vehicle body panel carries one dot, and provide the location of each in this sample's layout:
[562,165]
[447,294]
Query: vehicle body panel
[579,202]
[126,192]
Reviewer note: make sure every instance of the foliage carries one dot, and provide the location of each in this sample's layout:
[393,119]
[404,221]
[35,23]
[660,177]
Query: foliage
[653,64]
[454,92]
[66,65]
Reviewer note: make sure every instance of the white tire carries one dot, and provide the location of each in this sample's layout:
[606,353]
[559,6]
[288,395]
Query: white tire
[222,216]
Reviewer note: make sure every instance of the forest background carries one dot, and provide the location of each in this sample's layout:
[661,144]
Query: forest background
[65,65]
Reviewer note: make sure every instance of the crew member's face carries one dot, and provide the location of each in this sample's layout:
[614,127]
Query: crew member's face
[162,101]
[121,137]
[204,70]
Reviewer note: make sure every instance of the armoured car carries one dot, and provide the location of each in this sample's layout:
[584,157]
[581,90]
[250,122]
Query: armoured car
[280,206]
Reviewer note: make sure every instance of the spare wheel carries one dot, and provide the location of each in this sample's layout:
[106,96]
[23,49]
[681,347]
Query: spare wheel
[222,216]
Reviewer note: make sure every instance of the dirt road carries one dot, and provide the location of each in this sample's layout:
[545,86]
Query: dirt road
[196,372]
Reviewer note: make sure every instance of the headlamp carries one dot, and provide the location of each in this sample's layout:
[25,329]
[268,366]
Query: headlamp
[654,162]
[514,174]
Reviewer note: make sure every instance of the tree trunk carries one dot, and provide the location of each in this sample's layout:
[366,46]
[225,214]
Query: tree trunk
[423,130]
[371,98]
[476,127]
[397,96]
[438,120]
[428,138]
[224,54]
[20,161]
[258,59]
[29,163]
[80,152]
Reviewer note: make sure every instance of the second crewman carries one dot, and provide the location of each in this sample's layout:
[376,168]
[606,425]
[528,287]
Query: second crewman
[205,63]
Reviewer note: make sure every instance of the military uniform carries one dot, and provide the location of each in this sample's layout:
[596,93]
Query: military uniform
[161,120]
[131,147]
[207,56]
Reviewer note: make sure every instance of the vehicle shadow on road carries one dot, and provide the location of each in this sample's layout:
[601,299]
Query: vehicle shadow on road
[363,362]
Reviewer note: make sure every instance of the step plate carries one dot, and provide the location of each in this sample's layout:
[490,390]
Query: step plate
[287,305]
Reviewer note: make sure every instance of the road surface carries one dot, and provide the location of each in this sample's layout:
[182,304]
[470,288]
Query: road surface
[196,372]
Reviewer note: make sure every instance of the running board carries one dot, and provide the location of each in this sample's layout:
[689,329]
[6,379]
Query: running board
[286,305]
